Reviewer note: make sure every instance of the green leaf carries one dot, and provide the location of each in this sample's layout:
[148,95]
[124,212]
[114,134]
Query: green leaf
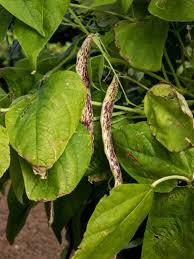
[40,125]
[96,3]
[4,99]
[4,151]
[68,206]
[29,12]
[4,182]
[170,227]
[31,41]
[179,10]
[146,160]
[66,173]
[126,4]
[18,214]
[141,43]
[169,117]
[16,176]
[5,19]
[4,103]
[19,80]
[115,221]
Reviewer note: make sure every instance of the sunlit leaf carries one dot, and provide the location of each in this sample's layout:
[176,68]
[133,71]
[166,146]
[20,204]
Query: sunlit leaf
[169,117]
[40,125]
[4,151]
[146,160]
[141,43]
[179,10]
[115,221]
[66,173]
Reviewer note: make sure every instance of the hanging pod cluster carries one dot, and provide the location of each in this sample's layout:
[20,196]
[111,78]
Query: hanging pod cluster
[157,159]
[51,133]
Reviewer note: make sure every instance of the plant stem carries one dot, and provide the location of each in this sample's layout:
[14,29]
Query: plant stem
[98,43]
[83,28]
[170,177]
[135,81]
[79,6]
[4,110]
[182,47]
[122,108]
[183,78]
[184,92]
[149,73]
[114,114]
[172,69]
[104,52]
[164,73]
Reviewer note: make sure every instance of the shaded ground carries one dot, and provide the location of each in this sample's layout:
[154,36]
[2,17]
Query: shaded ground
[35,241]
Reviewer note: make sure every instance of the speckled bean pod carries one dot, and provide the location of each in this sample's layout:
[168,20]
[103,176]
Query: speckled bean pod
[82,70]
[106,122]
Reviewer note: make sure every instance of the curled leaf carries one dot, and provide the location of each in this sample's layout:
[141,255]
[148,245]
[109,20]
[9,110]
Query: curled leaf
[169,117]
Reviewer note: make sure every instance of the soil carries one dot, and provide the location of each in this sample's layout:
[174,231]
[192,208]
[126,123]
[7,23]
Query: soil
[35,241]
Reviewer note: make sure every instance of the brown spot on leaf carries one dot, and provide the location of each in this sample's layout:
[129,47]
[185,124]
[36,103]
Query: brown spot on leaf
[132,157]
[41,171]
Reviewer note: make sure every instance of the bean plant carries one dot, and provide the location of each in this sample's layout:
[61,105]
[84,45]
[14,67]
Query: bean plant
[96,121]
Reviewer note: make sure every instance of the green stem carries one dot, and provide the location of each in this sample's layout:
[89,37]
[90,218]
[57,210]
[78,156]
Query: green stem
[172,69]
[164,73]
[149,73]
[61,63]
[4,110]
[135,81]
[104,52]
[114,114]
[78,21]
[79,6]
[136,117]
[122,108]
[99,44]
[170,177]
[182,47]
[183,78]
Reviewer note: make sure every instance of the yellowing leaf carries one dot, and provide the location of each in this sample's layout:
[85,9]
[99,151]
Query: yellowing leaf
[40,125]
[169,117]
[66,173]
[4,151]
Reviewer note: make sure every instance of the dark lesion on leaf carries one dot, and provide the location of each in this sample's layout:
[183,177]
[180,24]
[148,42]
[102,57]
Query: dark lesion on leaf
[41,171]
[156,236]
[132,157]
